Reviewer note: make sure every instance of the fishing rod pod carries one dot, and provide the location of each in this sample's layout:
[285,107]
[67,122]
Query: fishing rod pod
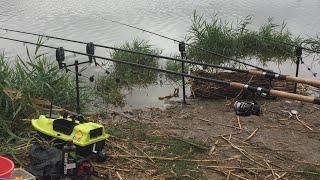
[260,90]
[89,137]
[260,72]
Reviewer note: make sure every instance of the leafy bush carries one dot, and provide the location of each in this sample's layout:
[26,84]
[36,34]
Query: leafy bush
[130,75]
[109,89]
[175,66]
[109,86]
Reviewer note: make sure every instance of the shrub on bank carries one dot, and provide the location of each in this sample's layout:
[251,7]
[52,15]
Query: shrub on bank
[135,76]
[109,86]
[109,89]
[238,41]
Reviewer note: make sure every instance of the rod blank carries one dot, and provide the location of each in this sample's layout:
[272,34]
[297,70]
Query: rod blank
[309,99]
[267,74]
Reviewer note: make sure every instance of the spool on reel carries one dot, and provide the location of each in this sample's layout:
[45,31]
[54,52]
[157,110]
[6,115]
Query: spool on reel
[245,108]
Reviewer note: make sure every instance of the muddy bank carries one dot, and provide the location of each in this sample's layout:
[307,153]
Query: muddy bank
[215,144]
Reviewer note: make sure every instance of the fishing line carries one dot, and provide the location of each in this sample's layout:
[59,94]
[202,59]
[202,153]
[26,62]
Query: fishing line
[308,68]
[211,52]
[190,45]
[125,50]
[116,61]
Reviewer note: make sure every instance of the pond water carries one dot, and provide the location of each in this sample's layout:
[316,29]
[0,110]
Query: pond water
[85,20]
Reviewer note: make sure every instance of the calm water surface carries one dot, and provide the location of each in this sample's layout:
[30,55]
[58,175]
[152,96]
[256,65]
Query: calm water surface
[85,20]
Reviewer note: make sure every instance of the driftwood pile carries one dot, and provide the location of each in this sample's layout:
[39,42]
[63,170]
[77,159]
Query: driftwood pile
[202,89]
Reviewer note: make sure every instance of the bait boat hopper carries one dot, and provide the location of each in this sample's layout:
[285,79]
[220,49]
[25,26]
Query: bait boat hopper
[89,137]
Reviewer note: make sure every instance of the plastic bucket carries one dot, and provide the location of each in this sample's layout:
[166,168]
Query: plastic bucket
[6,167]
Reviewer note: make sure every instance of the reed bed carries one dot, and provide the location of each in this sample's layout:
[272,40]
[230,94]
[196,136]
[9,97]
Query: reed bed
[239,40]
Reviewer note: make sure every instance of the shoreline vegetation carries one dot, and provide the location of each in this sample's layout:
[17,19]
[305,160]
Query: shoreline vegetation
[125,76]
[237,40]
[35,77]
[22,86]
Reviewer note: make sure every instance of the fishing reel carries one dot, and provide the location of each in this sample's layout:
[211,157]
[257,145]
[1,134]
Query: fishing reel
[247,108]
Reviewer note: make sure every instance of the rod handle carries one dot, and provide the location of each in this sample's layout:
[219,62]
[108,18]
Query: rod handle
[256,72]
[237,85]
[310,99]
[312,82]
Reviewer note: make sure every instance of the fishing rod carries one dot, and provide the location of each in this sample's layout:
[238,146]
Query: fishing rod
[190,45]
[236,85]
[269,75]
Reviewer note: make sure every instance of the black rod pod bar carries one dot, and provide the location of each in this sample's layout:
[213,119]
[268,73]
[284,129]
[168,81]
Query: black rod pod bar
[90,50]
[60,57]
[298,51]
[182,49]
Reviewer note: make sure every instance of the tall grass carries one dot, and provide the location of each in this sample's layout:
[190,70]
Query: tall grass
[109,86]
[176,66]
[313,43]
[109,89]
[236,40]
[28,79]
[130,75]
[173,66]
